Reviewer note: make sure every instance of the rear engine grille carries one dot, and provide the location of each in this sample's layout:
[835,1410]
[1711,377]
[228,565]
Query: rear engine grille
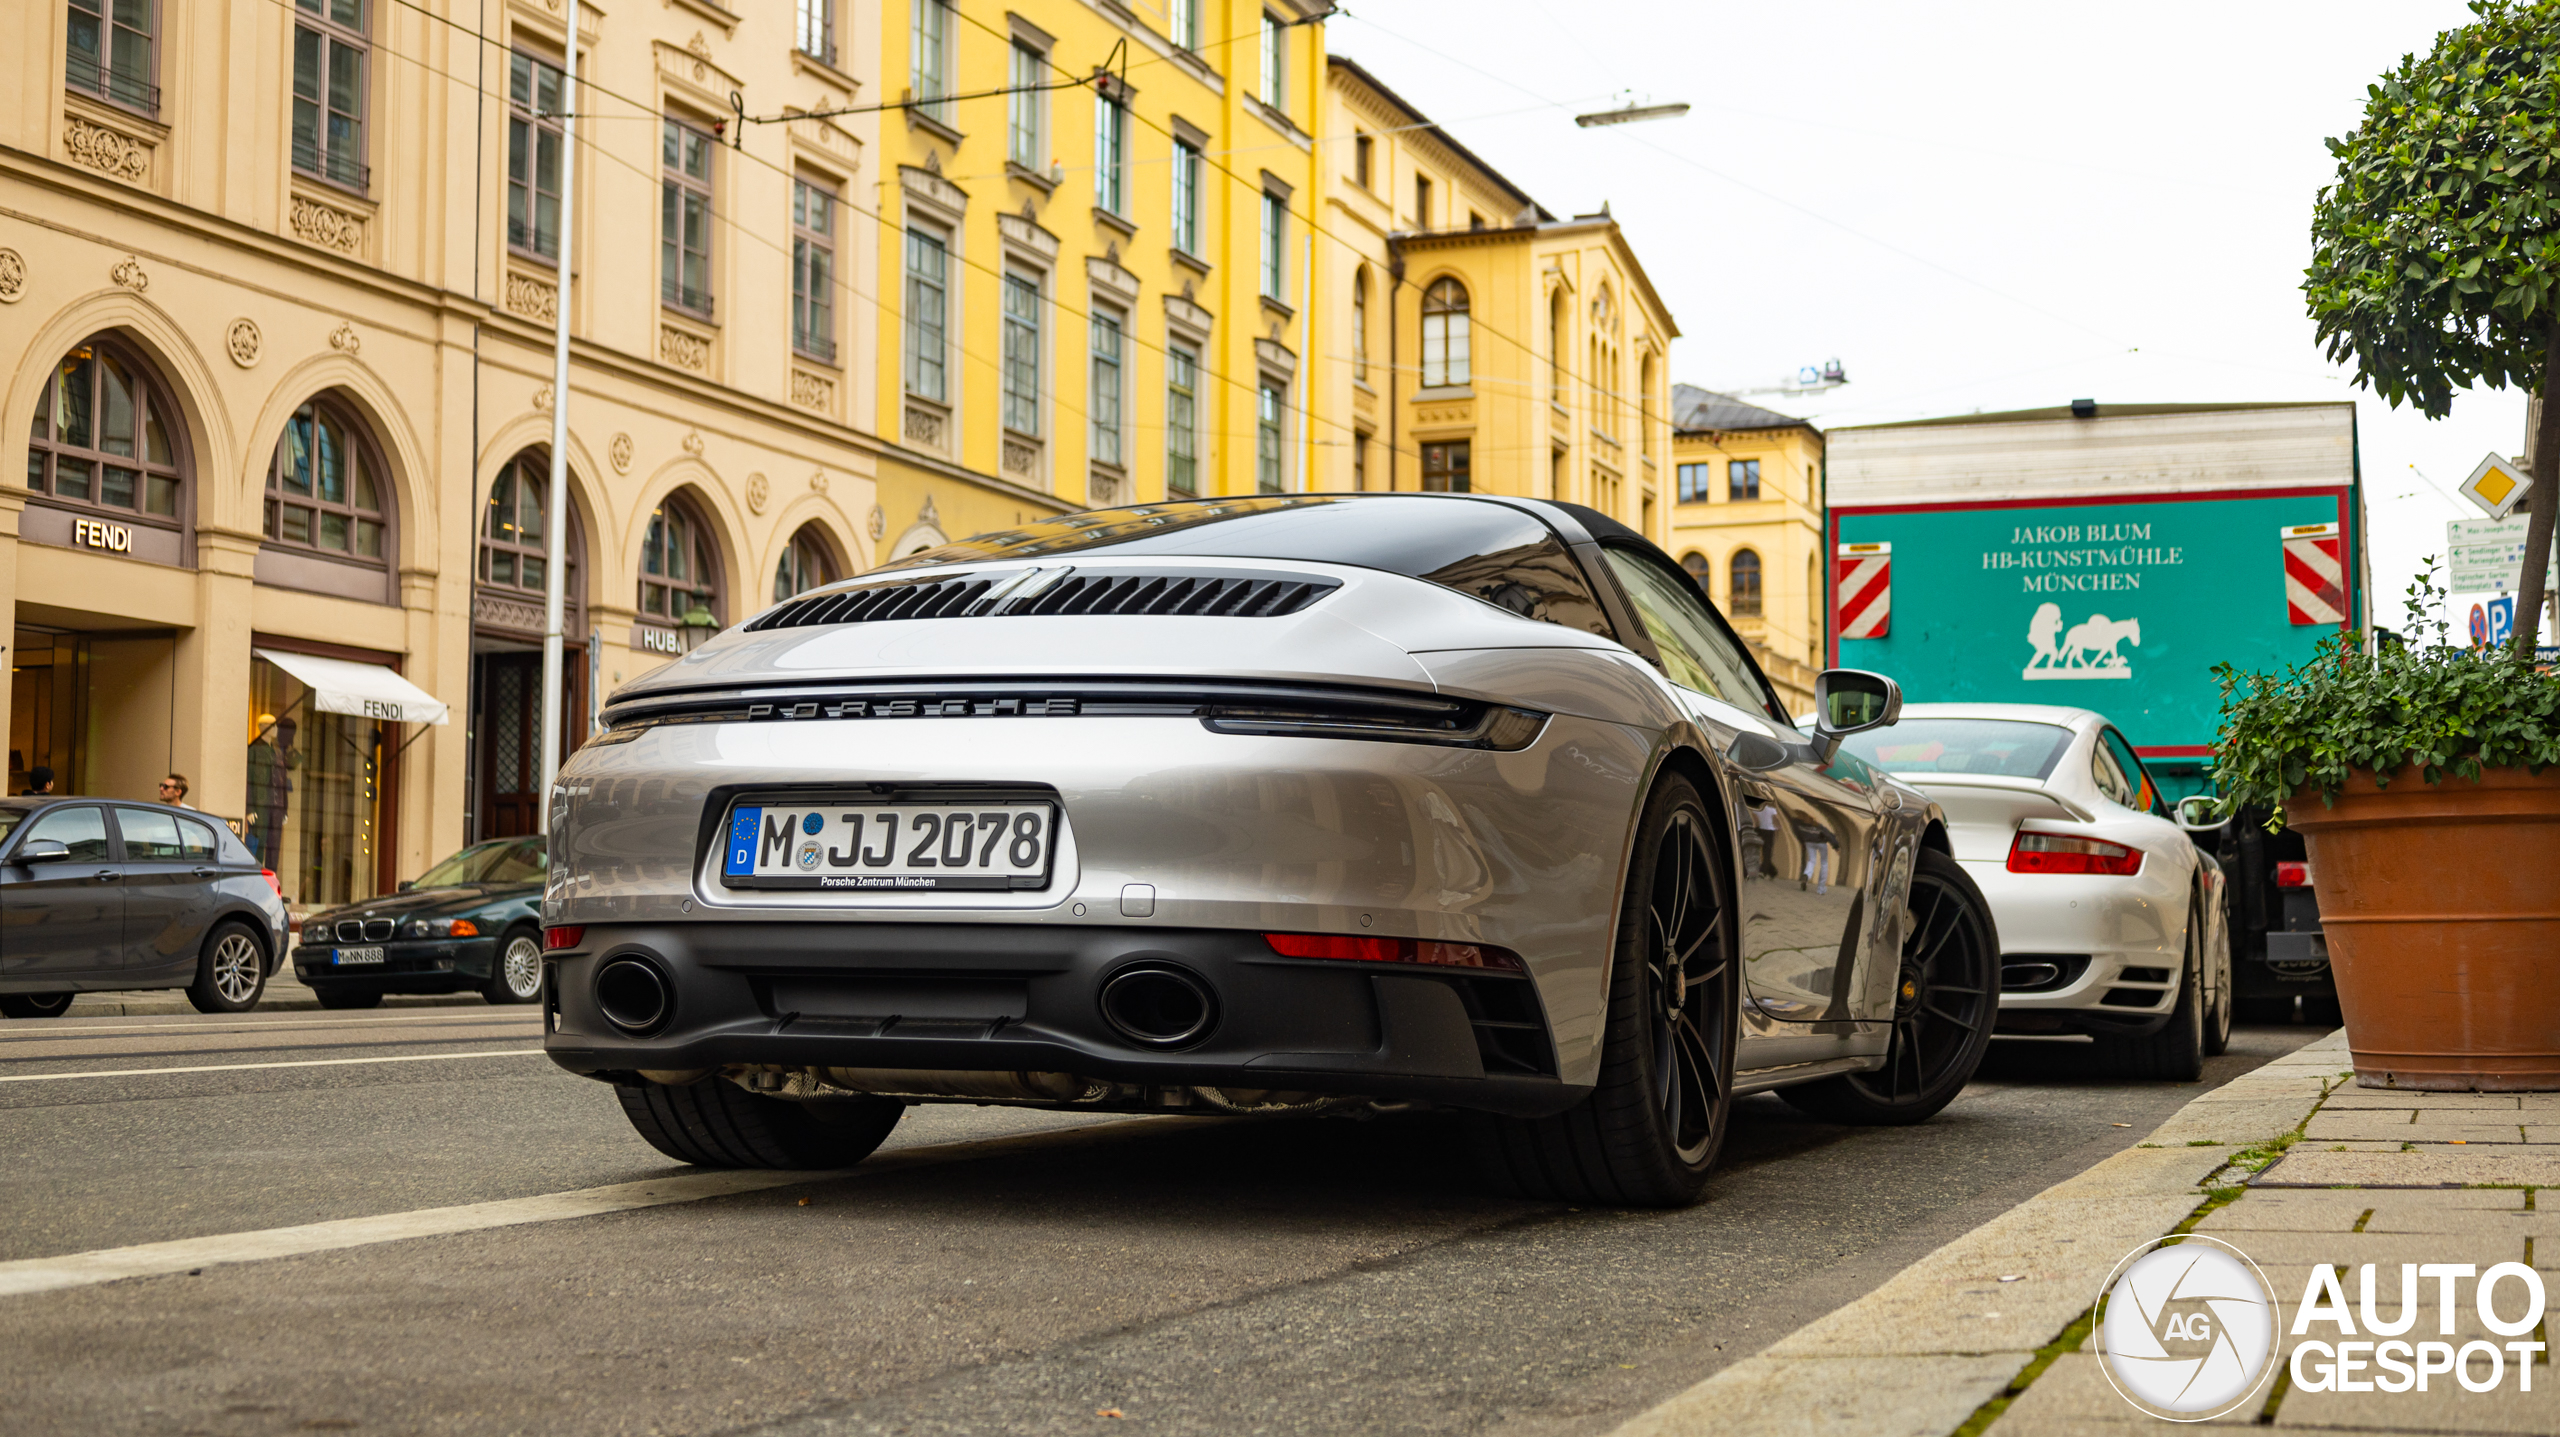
[1028,593]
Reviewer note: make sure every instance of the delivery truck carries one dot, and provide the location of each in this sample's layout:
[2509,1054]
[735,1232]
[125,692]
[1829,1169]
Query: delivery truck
[2108,557]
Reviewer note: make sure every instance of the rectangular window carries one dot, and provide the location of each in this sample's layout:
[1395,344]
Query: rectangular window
[1275,52]
[684,218]
[813,270]
[328,90]
[113,48]
[1182,17]
[1743,479]
[929,57]
[1445,467]
[1021,355]
[1422,202]
[1110,154]
[1104,402]
[1267,440]
[533,157]
[1186,197]
[1360,326]
[1275,257]
[1181,420]
[1022,108]
[928,300]
[1694,481]
[1359,461]
[1360,160]
[816,32]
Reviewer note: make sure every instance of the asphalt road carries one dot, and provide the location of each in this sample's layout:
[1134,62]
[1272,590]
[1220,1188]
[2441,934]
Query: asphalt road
[996,1270]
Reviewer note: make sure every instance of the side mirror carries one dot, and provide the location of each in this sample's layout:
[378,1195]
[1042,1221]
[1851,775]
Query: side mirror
[2195,814]
[43,850]
[1847,701]
[408,884]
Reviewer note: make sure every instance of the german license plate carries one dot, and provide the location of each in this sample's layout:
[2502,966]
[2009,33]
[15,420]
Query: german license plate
[903,846]
[344,956]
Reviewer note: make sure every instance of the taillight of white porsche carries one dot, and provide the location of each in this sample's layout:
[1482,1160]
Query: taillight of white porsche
[2063,853]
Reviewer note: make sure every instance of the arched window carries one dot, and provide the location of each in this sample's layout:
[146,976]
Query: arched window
[807,562]
[325,489]
[1696,564]
[1744,571]
[515,533]
[1444,334]
[677,567]
[105,435]
[1360,316]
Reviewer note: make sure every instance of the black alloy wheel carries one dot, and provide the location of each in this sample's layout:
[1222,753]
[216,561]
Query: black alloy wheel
[34,1005]
[1651,1128]
[1945,999]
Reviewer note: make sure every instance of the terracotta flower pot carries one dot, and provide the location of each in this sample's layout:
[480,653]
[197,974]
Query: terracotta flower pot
[2441,902]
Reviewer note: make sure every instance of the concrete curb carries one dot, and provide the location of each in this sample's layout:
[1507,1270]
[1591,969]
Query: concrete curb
[285,994]
[1920,1354]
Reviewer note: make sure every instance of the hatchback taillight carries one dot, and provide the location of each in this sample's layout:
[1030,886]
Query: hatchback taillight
[2293,875]
[273,882]
[2062,853]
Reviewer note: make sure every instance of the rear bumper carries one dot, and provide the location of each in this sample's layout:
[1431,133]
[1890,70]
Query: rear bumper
[2119,945]
[945,997]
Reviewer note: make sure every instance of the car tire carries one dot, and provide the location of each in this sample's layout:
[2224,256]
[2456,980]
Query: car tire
[714,1123]
[231,971]
[2175,1053]
[1649,1131]
[2217,1022]
[34,1005]
[342,995]
[515,970]
[2322,1010]
[1946,998]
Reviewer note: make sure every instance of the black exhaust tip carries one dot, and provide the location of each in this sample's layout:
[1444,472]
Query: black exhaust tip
[634,996]
[1159,1006]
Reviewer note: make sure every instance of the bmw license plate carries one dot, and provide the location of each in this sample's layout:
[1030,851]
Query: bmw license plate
[915,846]
[342,957]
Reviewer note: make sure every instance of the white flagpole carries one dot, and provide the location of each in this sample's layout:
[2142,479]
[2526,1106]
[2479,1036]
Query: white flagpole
[556,569]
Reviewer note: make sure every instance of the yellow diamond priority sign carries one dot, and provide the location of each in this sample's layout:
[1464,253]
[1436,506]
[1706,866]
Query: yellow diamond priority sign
[2497,486]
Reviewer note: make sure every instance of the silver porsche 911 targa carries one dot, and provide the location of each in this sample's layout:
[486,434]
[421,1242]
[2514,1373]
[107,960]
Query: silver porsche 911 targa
[1266,805]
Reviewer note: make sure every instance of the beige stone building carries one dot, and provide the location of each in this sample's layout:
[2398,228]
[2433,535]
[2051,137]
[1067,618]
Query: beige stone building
[276,281]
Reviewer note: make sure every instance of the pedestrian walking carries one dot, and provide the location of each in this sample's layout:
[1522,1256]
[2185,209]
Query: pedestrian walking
[173,791]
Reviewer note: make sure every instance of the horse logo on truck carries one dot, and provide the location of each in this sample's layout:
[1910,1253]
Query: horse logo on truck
[2094,650]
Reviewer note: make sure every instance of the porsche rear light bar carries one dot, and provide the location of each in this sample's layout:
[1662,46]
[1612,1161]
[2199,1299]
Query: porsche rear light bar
[2293,875]
[1392,950]
[2062,853]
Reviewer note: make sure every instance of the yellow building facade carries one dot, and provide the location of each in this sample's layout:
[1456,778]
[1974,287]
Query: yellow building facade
[1482,343]
[1093,270]
[276,291]
[1746,519]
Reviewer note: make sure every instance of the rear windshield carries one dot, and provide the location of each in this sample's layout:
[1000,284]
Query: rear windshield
[2012,748]
[1493,552]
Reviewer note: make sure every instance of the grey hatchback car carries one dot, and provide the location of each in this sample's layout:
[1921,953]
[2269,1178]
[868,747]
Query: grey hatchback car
[98,894]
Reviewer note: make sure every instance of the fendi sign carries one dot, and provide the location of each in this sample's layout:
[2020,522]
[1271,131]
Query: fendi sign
[99,534]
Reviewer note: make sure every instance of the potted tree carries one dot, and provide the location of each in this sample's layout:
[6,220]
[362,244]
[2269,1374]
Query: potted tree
[2425,778]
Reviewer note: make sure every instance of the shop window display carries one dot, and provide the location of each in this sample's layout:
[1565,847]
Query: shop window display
[314,807]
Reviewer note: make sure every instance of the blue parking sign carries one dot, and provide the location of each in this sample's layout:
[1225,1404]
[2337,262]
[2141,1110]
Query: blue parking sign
[2502,620]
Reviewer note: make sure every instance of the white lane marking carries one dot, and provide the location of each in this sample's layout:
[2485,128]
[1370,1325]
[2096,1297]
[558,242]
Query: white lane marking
[243,1067]
[155,1259]
[152,1259]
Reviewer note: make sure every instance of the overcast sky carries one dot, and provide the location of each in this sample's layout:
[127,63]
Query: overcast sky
[1973,206]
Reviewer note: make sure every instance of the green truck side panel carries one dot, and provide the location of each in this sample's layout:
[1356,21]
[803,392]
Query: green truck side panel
[2201,579]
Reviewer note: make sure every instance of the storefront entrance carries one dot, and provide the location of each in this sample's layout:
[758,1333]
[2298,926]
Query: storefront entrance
[95,708]
[506,714]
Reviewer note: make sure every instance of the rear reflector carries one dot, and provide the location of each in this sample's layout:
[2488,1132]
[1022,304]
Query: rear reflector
[2062,853]
[2293,875]
[1392,950]
[558,938]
